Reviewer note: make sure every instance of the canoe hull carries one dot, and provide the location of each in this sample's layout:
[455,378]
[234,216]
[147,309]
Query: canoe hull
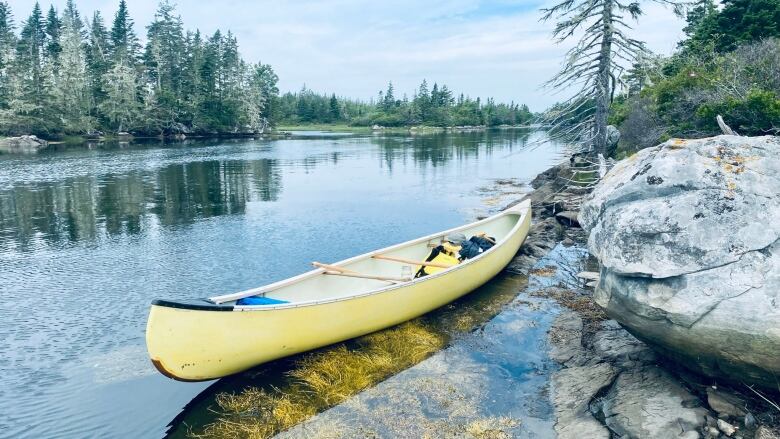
[199,344]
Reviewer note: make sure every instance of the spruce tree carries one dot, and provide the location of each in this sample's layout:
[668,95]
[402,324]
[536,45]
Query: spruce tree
[268,80]
[335,109]
[163,61]
[208,76]
[121,106]
[72,13]
[389,100]
[31,93]
[97,59]
[72,89]
[591,65]
[7,46]
[124,45]
[743,21]
[193,61]
[251,102]
[53,30]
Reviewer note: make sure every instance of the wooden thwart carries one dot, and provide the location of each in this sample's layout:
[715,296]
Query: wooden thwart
[332,267]
[335,270]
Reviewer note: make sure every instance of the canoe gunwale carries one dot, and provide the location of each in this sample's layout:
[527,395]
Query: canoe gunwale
[212,304]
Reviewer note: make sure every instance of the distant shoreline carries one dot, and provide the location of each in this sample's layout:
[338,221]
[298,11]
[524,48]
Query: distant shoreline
[280,131]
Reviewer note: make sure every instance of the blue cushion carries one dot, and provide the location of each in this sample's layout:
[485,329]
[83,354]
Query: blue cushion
[260,301]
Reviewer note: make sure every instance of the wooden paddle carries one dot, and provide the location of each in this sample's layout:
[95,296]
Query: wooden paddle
[412,262]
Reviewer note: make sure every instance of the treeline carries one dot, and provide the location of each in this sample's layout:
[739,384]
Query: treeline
[62,74]
[728,64]
[434,106]
[65,75]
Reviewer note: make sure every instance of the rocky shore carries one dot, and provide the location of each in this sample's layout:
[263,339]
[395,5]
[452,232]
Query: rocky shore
[600,382]
[688,385]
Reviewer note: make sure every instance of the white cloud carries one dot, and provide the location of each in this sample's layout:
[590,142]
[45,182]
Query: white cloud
[492,48]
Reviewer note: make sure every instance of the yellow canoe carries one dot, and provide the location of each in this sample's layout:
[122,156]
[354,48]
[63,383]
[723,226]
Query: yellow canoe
[204,339]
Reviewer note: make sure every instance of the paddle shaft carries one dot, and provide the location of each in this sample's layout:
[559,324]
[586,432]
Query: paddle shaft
[412,262]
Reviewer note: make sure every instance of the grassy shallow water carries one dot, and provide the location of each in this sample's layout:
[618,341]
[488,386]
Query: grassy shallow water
[273,398]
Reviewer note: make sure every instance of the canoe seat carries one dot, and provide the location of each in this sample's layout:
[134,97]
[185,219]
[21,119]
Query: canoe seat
[259,300]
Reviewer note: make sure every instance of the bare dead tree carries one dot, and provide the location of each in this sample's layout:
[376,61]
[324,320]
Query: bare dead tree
[593,66]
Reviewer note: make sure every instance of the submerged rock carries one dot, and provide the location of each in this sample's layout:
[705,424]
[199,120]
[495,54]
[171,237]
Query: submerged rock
[689,245]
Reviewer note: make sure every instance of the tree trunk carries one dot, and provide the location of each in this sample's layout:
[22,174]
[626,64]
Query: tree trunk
[602,82]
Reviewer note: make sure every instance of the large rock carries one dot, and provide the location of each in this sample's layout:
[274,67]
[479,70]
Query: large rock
[648,403]
[689,243]
[23,144]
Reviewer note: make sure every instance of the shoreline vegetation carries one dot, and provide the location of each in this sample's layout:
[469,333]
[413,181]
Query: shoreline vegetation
[64,77]
[9,144]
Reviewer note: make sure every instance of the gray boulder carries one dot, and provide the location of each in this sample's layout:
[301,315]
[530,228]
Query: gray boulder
[689,244]
[613,138]
[23,144]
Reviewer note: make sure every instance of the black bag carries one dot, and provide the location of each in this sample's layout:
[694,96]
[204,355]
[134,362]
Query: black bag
[469,249]
[482,242]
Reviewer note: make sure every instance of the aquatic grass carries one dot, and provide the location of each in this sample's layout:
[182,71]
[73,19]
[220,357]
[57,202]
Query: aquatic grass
[326,377]
[492,427]
[323,379]
[584,304]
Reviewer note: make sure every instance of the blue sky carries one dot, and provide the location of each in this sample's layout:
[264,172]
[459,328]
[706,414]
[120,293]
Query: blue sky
[494,48]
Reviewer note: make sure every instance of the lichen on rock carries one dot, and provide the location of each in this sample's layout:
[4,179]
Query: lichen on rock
[689,247]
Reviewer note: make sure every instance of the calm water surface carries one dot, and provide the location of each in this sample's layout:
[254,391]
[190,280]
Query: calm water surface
[89,236]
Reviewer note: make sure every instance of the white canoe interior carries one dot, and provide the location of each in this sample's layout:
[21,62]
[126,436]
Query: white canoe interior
[316,286]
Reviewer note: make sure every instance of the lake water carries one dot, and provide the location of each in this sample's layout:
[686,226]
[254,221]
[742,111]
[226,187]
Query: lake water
[90,235]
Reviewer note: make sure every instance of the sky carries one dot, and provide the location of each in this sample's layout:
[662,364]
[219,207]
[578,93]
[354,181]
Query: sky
[490,48]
